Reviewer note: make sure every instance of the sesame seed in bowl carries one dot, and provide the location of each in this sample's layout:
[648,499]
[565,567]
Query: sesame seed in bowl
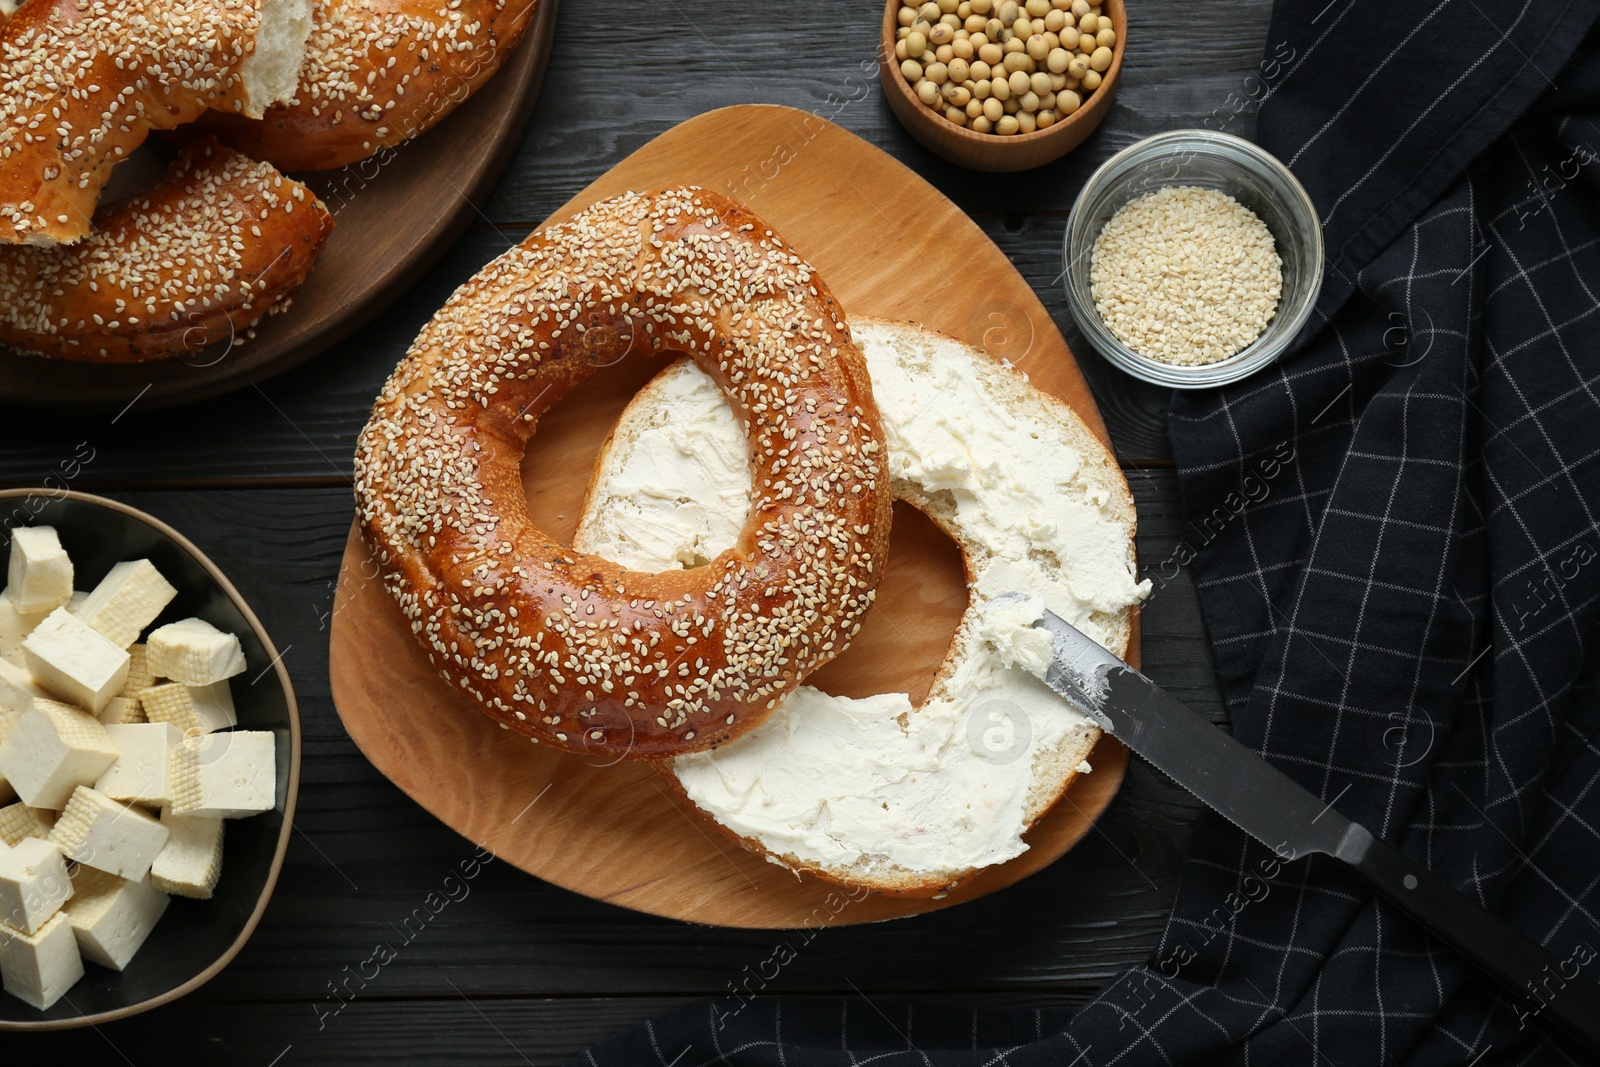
[1192,259]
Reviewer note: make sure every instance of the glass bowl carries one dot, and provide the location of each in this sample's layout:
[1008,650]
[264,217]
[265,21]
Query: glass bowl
[1218,161]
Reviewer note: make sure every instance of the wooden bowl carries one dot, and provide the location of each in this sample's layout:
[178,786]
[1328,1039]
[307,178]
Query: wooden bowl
[990,151]
[195,939]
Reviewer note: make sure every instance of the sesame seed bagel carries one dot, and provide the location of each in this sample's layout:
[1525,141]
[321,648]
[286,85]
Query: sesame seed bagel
[569,648]
[87,80]
[378,73]
[196,259]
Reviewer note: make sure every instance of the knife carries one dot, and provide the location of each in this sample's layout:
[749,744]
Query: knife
[1269,806]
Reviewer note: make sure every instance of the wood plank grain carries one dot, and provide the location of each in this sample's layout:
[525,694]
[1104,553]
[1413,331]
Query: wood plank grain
[1184,68]
[640,846]
[1182,63]
[551,970]
[365,858]
[438,1032]
[301,426]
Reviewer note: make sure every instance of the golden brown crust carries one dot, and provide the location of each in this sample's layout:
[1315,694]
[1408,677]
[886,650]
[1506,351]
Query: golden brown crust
[87,80]
[574,650]
[198,258]
[378,73]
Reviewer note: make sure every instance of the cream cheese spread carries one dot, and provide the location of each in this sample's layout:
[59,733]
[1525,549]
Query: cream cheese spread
[684,492]
[1007,626]
[873,784]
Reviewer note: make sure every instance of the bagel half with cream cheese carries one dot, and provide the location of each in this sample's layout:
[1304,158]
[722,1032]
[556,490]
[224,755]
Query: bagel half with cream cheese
[872,792]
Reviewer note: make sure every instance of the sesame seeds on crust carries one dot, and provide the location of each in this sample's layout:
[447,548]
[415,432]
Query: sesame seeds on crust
[86,80]
[574,650]
[378,73]
[198,258]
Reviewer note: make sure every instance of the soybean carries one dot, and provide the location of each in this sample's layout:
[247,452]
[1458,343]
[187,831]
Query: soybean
[1003,66]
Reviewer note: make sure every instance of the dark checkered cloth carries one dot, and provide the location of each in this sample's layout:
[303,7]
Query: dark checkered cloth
[1406,621]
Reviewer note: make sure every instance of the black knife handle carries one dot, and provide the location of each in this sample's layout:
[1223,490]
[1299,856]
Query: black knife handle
[1546,988]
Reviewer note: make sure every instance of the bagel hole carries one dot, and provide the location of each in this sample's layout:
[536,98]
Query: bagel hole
[138,172]
[561,455]
[921,598]
[906,634]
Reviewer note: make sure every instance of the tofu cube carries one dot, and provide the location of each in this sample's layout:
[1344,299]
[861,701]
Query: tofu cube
[34,884]
[40,576]
[191,863]
[127,600]
[143,771]
[15,625]
[75,662]
[8,721]
[139,676]
[111,916]
[193,709]
[225,775]
[17,690]
[39,968]
[194,652]
[122,711]
[17,694]
[52,750]
[108,836]
[18,822]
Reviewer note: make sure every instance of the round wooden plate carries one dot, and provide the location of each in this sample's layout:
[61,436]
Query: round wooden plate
[391,223]
[889,245]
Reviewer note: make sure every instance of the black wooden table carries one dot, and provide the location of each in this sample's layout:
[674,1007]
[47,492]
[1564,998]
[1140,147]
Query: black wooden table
[517,971]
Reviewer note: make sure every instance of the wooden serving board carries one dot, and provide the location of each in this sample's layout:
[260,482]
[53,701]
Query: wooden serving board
[391,223]
[889,245]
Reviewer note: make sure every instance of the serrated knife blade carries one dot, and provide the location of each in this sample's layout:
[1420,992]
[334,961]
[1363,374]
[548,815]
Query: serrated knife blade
[1241,786]
[1288,818]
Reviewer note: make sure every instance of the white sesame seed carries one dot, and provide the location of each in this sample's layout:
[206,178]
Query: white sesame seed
[547,313]
[1185,275]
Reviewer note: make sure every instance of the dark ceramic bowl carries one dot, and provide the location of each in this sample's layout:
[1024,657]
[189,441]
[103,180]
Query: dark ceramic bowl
[195,938]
